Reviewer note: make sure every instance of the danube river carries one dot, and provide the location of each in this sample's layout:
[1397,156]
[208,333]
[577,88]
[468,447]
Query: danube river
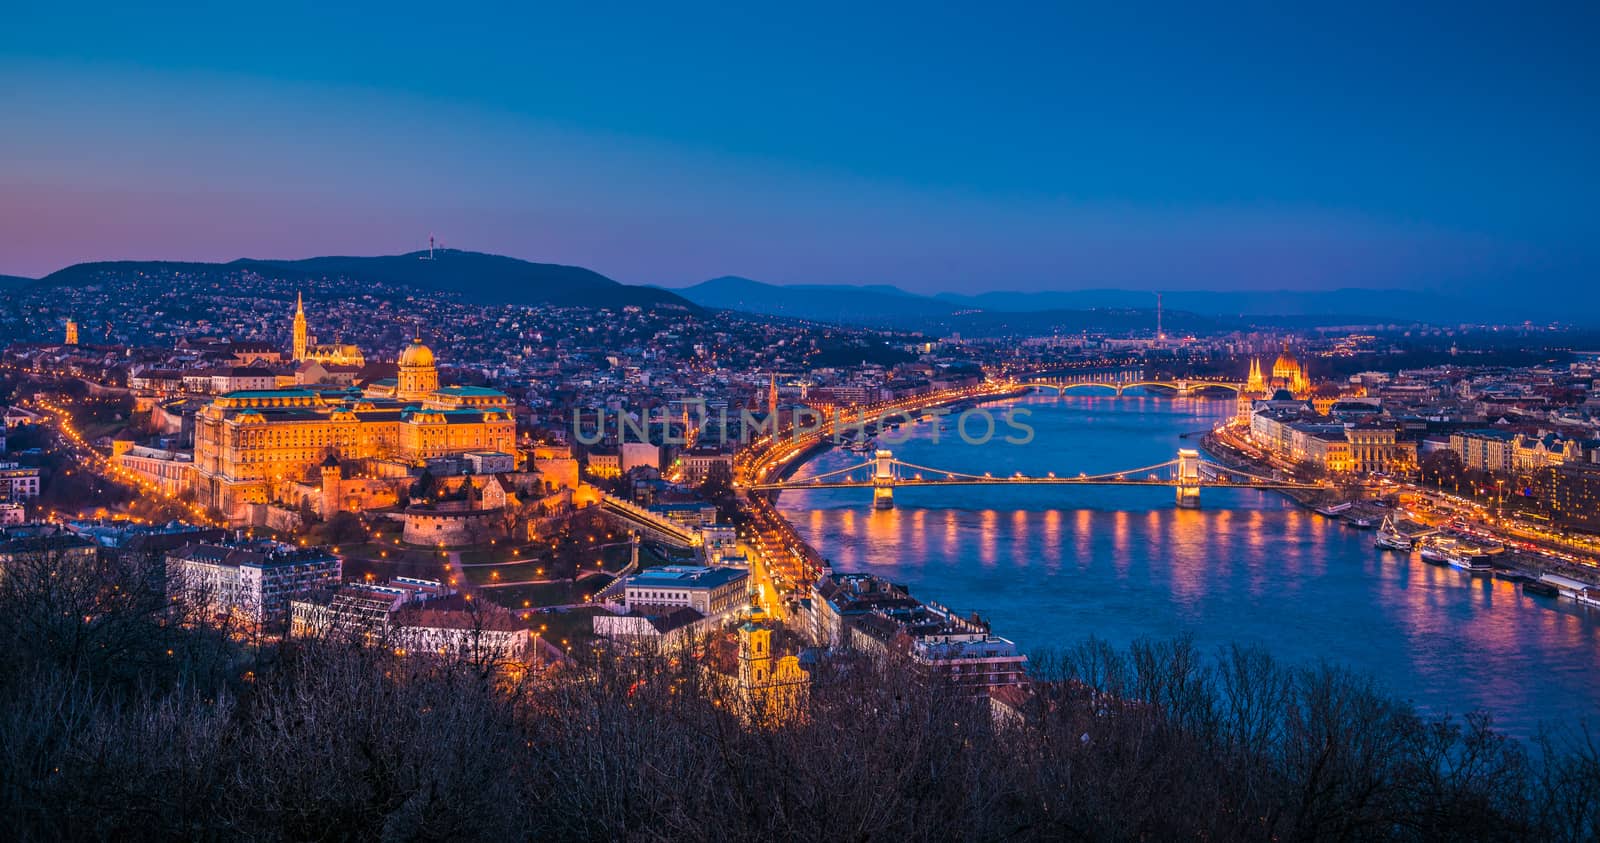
[1050,566]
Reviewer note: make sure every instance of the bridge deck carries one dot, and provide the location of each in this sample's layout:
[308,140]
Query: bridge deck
[1027,481]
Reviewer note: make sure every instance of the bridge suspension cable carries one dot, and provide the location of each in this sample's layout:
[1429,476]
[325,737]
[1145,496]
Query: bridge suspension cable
[1219,468]
[835,473]
[1082,477]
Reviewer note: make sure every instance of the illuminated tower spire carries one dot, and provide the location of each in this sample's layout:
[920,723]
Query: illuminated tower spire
[72,332]
[299,327]
[772,397]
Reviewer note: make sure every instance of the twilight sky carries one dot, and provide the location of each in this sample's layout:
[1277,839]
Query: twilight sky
[962,147]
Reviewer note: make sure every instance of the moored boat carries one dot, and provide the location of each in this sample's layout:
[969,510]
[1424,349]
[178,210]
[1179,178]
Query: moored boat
[1362,520]
[1541,588]
[1390,537]
[1468,557]
[1436,548]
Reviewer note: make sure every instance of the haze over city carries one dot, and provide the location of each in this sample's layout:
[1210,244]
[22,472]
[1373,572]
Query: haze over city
[1434,147]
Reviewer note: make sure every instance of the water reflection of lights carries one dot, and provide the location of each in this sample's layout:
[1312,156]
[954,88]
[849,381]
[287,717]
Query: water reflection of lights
[1119,534]
[988,537]
[1052,539]
[1259,570]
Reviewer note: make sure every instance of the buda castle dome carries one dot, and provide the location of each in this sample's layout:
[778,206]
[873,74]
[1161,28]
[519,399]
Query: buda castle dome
[416,355]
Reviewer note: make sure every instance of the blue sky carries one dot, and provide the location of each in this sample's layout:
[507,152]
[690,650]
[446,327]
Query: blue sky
[1436,146]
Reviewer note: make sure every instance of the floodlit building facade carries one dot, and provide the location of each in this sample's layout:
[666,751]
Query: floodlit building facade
[248,443]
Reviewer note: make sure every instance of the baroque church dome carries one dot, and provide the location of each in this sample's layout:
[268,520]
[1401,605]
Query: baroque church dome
[416,355]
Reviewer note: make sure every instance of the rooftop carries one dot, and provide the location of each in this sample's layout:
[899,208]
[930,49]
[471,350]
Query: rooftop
[687,576]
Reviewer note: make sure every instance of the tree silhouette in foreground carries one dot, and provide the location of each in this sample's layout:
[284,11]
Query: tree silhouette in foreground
[120,719]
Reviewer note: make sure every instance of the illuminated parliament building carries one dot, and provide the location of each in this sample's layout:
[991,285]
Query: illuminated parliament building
[251,446]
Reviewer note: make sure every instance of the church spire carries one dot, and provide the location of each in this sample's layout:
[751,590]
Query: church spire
[301,341]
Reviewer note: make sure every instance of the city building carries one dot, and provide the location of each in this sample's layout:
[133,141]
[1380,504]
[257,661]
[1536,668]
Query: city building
[700,464]
[18,482]
[1375,446]
[361,609]
[662,627]
[973,662]
[1485,450]
[838,596]
[1569,495]
[1531,453]
[47,544]
[711,591]
[458,626]
[411,617]
[251,582]
[248,444]
[1325,446]
[605,463]
[169,471]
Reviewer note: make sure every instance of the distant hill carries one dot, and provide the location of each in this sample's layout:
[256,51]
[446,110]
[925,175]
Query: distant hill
[1349,305]
[841,303]
[477,277]
[486,279]
[1000,323]
[14,281]
[1006,313]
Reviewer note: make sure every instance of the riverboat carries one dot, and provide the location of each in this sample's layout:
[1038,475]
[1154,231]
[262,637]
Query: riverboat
[1540,588]
[1398,533]
[1363,518]
[1390,538]
[1436,548]
[1468,557]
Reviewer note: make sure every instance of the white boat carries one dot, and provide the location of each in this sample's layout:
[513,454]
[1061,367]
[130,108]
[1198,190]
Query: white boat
[1390,537]
[1399,533]
[1468,557]
[1437,548]
[1588,597]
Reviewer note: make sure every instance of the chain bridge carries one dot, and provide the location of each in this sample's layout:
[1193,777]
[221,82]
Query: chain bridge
[1186,475]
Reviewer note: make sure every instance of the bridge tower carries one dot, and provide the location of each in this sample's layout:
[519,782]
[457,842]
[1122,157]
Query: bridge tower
[883,481]
[1188,478]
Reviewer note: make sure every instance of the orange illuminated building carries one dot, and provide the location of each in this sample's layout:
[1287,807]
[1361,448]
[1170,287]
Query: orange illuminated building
[248,443]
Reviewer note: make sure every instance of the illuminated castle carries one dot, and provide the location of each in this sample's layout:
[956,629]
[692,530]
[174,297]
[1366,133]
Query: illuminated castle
[307,349]
[250,444]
